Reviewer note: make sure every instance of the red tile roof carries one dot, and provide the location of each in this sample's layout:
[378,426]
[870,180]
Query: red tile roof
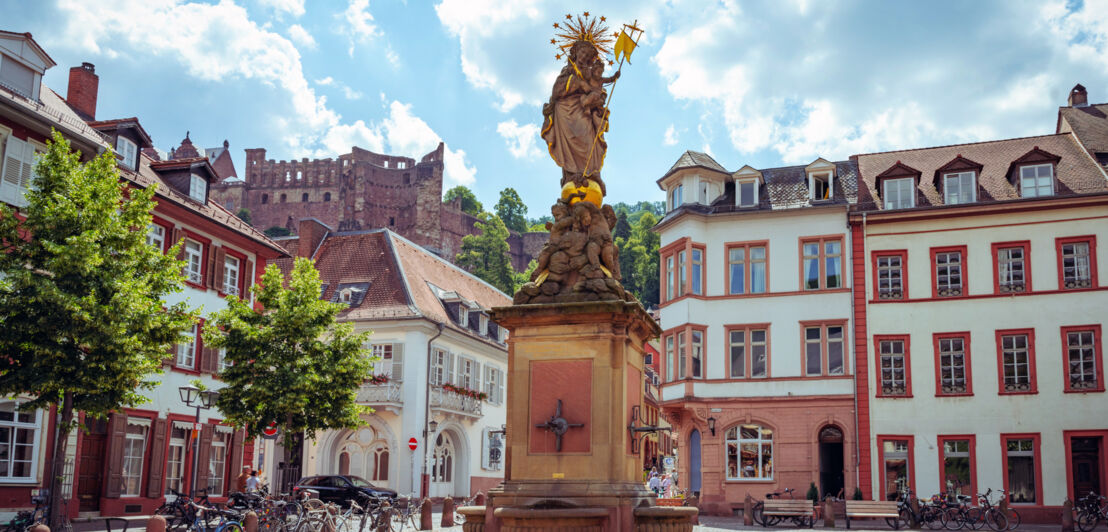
[1090,124]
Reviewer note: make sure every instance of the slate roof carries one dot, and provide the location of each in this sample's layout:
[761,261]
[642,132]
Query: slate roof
[1076,171]
[120,123]
[694,159]
[396,275]
[1090,124]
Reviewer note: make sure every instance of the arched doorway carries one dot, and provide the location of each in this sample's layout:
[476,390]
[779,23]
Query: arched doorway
[363,453]
[443,465]
[831,475]
[694,461]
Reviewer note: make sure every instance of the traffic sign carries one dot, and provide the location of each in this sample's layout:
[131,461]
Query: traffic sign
[270,431]
[412,444]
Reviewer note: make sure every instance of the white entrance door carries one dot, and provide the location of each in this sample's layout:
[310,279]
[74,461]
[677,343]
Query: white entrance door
[442,467]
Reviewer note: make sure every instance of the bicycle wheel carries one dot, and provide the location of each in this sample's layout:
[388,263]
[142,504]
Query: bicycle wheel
[975,518]
[310,523]
[756,514]
[1014,519]
[952,518]
[1086,521]
[996,520]
[229,527]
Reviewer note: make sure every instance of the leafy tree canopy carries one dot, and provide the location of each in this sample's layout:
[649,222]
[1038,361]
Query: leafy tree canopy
[244,215]
[290,362]
[512,211]
[486,254]
[277,231]
[470,204]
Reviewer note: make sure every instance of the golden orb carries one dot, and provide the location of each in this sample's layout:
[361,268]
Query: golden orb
[592,192]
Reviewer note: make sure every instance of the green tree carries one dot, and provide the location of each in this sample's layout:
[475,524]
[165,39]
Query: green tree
[623,227]
[290,363]
[277,231]
[486,255]
[647,261]
[512,211]
[518,278]
[244,215]
[82,296]
[538,228]
[470,204]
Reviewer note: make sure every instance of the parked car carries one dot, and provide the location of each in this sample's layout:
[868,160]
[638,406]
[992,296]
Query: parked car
[342,488]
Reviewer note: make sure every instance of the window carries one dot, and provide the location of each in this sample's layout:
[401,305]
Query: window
[134,449]
[895,378]
[231,275]
[175,461]
[265,199]
[683,276]
[326,196]
[746,265]
[749,453]
[1083,356]
[127,150]
[697,268]
[1013,270]
[747,352]
[676,197]
[494,384]
[18,170]
[681,373]
[819,187]
[223,363]
[896,465]
[899,193]
[1037,180]
[198,188]
[483,325]
[696,357]
[1076,262]
[824,350]
[953,364]
[957,468]
[389,362]
[194,260]
[890,279]
[186,349]
[17,77]
[822,263]
[746,193]
[218,462]
[670,375]
[303,197]
[1021,471]
[156,237]
[960,187]
[947,273]
[1016,354]
[442,367]
[19,443]
[284,198]
[703,198]
[669,273]
[465,373]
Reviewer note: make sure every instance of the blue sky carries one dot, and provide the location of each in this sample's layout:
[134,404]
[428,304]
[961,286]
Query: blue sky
[759,83]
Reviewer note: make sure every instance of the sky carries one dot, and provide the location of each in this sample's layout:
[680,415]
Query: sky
[766,83]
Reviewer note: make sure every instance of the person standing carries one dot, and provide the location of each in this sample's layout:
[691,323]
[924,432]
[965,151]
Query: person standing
[667,483]
[240,482]
[253,483]
[655,484]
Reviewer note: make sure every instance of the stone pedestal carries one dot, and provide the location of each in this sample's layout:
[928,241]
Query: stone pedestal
[589,357]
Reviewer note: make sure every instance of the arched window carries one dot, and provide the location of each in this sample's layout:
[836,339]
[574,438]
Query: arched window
[443,466]
[379,457]
[304,198]
[265,199]
[344,463]
[749,453]
[326,196]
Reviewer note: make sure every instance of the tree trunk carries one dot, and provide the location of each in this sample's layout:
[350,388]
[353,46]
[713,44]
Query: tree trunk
[62,421]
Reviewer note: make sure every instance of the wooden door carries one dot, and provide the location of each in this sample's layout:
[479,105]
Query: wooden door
[90,478]
[1086,463]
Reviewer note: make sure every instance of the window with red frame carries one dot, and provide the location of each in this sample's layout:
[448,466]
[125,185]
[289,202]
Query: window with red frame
[949,273]
[953,365]
[1011,269]
[683,271]
[1077,263]
[957,462]
[890,275]
[696,356]
[156,237]
[1021,468]
[894,375]
[749,352]
[681,362]
[746,269]
[670,374]
[669,274]
[896,467]
[696,267]
[186,348]
[824,350]
[1083,369]
[1017,361]
[822,263]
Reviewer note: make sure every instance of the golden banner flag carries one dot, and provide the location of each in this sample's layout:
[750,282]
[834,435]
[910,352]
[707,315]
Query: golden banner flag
[624,45]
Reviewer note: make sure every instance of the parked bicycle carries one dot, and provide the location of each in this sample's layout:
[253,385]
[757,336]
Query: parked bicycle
[759,507]
[459,518]
[228,520]
[1091,510]
[26,519]
[407,512]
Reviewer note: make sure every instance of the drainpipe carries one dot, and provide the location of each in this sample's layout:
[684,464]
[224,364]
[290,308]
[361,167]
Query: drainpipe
[424,479]
[853,312]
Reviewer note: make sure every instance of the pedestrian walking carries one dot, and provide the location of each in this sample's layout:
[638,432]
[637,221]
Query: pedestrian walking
[655,484]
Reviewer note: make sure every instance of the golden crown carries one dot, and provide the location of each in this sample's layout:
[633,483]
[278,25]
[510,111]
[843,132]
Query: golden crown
[583,27]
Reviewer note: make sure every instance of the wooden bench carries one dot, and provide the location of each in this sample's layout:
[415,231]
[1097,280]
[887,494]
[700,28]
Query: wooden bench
[872,509]
[789,508]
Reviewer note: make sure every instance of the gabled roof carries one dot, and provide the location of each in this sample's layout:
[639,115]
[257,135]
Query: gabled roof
[182,164]
[123,123]
[29,41]
[693,159]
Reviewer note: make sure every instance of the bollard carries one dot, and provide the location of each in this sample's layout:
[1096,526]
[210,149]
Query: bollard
[447,513]
[425,521]
[694,501]
[828,513]
[479,499]
[1067,515]
[914,503]
[748,510]
[250,522]
[39,528]
[386,522]
[155,524]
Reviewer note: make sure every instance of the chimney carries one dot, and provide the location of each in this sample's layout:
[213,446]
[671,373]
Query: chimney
[1078,96]
[311,233]
[83,84]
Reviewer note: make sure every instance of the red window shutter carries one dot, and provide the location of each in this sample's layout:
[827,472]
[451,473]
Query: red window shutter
[209,267]
[248,452]
[171,355]
[117,437]
[204,456]
[247,280]
[178,235]
[236,458]
[157,461]
[217,268]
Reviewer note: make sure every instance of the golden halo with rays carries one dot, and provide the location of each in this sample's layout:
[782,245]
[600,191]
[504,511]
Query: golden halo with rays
[583,27]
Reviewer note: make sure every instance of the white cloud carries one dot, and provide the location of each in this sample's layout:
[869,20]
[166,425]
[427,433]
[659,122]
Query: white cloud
[670,136]
[350,93]
[292,7]
[300,36]
[359,23]
[521,140]
[219,42]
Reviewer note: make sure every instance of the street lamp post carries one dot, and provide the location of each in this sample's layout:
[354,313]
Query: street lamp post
[425,488]
[207,399]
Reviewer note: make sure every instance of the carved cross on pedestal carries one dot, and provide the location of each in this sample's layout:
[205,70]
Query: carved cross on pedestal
[558,425]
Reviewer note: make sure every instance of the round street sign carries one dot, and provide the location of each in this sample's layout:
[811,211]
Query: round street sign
[412,444]
[270,431]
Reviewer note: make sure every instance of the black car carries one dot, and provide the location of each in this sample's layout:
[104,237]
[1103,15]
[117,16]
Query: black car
[342,488]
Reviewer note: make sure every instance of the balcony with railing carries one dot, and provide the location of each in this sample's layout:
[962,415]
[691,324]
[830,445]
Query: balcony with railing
[386,396]
[450,402]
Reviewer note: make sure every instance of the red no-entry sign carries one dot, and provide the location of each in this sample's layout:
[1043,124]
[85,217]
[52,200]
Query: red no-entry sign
[412,444]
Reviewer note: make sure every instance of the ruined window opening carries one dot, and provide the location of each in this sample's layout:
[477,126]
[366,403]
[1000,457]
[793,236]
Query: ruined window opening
[283,198]
[392,221]
[304,198]
[326,196]
[265,199]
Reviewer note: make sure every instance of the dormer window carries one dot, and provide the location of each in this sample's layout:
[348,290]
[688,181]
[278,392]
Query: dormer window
[198,188]
[17,77]
[346,296]
[746,192]
[676,197]
[819,186]
[703,198]
[127,150]
[463,315]
[959,188]
[1037,180]
[484,325]
[899,193]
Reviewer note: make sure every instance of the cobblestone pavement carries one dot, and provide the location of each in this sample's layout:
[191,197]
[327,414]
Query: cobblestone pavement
[713,524]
